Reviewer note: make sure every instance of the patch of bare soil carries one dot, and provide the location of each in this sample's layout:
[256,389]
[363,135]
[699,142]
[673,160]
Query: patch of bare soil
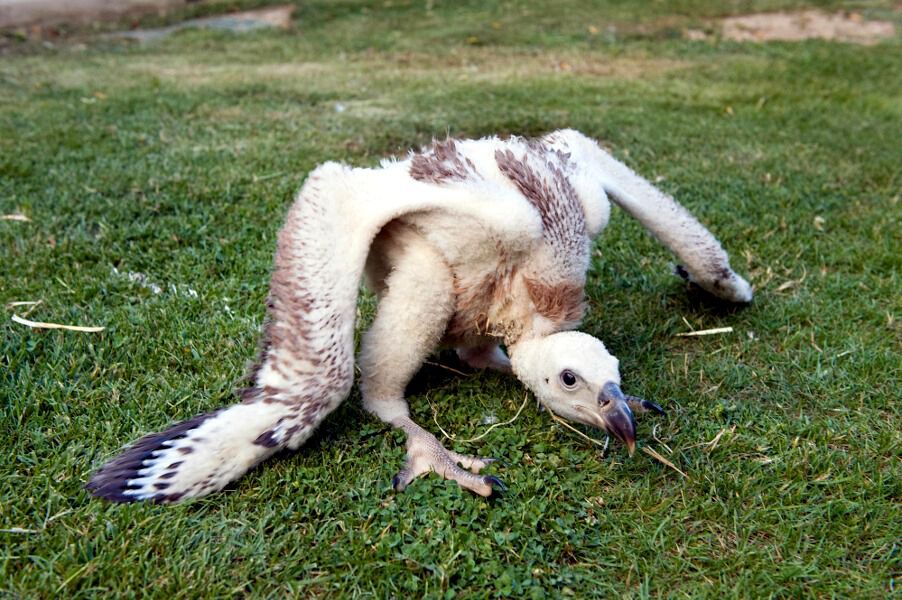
[42,13]
[806,25]
[239,22]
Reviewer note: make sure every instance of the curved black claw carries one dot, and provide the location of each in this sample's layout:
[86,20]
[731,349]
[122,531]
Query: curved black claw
[490,460]
[495,482]
[647,405]
[395,482]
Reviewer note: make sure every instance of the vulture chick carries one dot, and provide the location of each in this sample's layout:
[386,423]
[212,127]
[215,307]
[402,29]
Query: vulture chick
[469,244]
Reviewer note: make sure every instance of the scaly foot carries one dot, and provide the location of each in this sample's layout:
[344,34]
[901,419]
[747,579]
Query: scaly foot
[638,405]
[425,454]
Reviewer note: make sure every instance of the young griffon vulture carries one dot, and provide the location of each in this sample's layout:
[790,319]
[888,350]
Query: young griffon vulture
[469,244]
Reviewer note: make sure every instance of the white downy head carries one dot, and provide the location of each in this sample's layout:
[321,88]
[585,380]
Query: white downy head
[573,375]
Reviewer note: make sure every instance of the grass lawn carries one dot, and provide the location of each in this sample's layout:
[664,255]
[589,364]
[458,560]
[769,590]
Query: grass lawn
[156,177]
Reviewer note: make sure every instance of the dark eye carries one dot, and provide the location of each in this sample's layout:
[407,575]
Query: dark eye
[568,379]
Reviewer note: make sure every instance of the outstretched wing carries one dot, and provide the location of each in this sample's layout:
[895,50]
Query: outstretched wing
[600,174]
[306,366]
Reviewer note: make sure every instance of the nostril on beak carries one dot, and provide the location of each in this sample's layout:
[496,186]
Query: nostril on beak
[610,392]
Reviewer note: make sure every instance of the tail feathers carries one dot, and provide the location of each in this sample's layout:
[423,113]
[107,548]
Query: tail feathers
[201,455]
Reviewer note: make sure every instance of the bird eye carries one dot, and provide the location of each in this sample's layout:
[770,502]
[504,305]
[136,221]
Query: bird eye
[568,379]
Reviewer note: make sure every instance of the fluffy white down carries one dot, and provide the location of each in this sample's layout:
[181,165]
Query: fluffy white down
[538,362]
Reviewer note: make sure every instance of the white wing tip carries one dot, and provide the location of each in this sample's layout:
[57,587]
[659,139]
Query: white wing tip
[743,290]
[732,288]
[727,285]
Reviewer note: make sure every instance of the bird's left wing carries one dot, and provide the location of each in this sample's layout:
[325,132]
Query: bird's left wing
[306,366]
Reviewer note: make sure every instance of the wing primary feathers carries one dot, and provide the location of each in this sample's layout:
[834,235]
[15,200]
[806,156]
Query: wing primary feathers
[112,480]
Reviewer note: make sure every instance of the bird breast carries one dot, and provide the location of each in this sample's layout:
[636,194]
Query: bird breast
[507,304]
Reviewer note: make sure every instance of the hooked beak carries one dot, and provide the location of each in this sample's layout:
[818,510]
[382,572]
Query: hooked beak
[617,416]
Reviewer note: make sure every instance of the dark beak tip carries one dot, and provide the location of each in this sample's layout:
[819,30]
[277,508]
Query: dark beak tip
[619,422]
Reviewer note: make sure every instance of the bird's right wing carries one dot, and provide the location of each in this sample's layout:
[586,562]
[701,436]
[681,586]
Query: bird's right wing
[706,262]
[306,367]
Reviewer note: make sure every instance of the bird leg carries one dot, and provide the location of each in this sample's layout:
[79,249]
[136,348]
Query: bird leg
[425,454]
[487,356]
[417,300]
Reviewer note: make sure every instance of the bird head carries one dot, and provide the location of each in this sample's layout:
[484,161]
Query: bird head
[573,375]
